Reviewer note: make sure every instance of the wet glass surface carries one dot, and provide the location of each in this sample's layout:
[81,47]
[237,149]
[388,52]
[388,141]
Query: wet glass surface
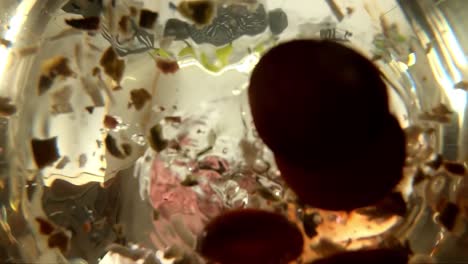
[125,126]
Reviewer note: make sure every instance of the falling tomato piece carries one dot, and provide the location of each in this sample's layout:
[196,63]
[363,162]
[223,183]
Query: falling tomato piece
[251,236]
[322,108]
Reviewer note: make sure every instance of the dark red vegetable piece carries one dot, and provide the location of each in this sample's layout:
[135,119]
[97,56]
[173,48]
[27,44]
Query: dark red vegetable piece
[323,110]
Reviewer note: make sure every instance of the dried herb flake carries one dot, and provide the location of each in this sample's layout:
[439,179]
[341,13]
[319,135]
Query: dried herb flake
[50,69]
[157,141]
[45,227]
[113,66]
[449,215]
[110,122]
[45,151]
[87,23]
[111,146]
[167,66]
[6,107]
[139,97]
[201,12]
[59,240]
[147,18]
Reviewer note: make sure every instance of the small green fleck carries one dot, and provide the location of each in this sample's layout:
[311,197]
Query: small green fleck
[400,38]
[162,53]
[224,53]
[260,48]
[186,52]
[207,64]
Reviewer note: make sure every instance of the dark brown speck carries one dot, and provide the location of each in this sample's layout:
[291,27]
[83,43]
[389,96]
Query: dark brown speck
[45,227]
[201,12]
[113,66]
[110,122]
[127,148]
[90,109]
[147,18]
[6,107]
[87,23]
[50,69]
[167,66]
[139,97]
[45,151]
[157,140]
[59,240]
[124,24]
[111,145]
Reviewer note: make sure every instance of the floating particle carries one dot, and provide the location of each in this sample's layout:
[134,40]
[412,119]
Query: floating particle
[60,101]
[5,42]
[448,216]
[201,12]
[85,8]
[62,163]
[124,23]
[441,109]
[133,11]
[127,149]
[429,47]
[310,222]
[111,146]
[139,97]
[110,122]
[50,69]
[82,159]
[157,141]
[113,66]
[440,114]
[167,66]
[419,176]
[455,167]
[147,18]
[45,151]
[251,236]
[435,162]
[90,109]
[45,226]
[278,21]
[462,85]
[87,226]
[6,107]
[96,71]
[87,23]
[173,119]
[28,51]
[59,240]
[381,256]
[349,10]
